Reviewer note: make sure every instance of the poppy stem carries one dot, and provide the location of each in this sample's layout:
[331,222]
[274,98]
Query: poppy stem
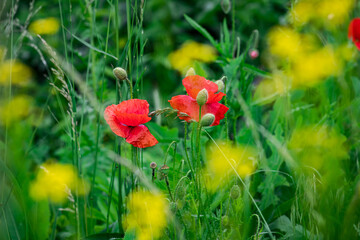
[198,164]
[168,187]
[131,88]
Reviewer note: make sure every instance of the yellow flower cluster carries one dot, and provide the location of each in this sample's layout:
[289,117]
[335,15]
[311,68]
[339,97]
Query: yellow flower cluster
[19,73]
[184,58]
[46,26]
[315,144]
[55,182]
[218,170]
[303,61]
[147,214]
[19,107]
[327,13]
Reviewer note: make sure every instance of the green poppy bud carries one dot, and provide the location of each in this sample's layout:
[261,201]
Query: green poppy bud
[226,6]
[120,73]
[220,84]
[235,192]
[202,97]
[190,72]
[207,120]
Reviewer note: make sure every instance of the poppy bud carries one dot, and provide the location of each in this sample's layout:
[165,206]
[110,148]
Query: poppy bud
[202,97]
[207,120]
[226,6]
[120,73]
[235,192]
[225,222]
[220,84]
[190,72]
[253,53]
[153,165]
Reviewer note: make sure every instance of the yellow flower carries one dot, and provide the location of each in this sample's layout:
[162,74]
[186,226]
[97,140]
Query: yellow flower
[55,182]
[19,107]
[333,12]
[218,169]
[328,13]
[312,68]
[284,42]
[147,214]
[302,12]
[184,58]
[46,26]
[346,52]
[315,144]
[19,73]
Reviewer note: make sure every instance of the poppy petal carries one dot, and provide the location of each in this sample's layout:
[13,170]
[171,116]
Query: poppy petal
[141,137]
[185,104]
[116,126]
[195,83]
[354,32]
[217,109]
[133,112]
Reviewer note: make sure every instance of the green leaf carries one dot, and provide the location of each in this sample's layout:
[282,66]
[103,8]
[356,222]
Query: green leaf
[91,46]
[201,30]
[251,69]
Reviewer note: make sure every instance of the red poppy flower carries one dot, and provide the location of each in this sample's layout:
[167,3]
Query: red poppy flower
[126,120]
[354,32]
[187,103]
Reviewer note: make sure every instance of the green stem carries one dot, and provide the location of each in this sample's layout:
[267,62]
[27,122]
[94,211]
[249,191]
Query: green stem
[198,167]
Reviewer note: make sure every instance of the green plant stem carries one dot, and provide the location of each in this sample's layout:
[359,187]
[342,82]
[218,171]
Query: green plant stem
[198,166]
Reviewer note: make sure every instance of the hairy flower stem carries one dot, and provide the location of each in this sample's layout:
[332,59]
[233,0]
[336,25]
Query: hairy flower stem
[131,88]
[168,187]
[198,164]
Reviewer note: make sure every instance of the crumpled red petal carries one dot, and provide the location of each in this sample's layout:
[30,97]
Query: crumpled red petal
[133,112]
[188,105]
[141,137]
[116,126]
[185,104]
[194,84]
[217,109]
[354,32]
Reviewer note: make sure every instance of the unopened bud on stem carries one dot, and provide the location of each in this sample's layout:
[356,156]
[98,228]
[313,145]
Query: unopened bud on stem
[235,192]
[190,72]
[226,6]
[254,53]
[202,97]
[207,120]
[120,73]
[220,84]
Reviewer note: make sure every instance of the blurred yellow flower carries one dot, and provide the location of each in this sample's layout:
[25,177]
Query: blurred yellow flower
[284,42]
[328,13]
[19,73]
[302,12]
[346,52]
[184,58]
[312,68]
[18,108]
[55,181]
[334,12]
[219,171]
[147,214]
[315,144]
[45,26]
